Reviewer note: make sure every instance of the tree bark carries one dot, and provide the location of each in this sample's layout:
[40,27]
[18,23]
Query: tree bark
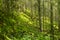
[51,21]
[39,13]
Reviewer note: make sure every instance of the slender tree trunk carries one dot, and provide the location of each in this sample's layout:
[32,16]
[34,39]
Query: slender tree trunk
[43,14]
[31,10]
[51,21]
[59,14]
[39,13]
[59,17]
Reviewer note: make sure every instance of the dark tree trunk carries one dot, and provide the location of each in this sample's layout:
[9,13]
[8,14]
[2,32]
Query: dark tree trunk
[59,17]
[39,13]
[51,21]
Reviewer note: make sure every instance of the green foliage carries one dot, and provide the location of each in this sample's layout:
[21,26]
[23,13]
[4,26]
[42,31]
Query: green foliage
[20,23]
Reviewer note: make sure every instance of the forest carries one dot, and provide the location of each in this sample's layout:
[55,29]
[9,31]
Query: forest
[29,19]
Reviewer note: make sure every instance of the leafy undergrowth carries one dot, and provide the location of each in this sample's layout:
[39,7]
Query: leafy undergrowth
[33,37]
[21,27]
[39,36]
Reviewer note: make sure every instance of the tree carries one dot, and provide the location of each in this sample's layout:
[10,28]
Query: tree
[59,17]
[39,13]
[51,21]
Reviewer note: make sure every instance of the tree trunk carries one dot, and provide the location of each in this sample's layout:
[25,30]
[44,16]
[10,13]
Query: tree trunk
[51,21]
[39,13]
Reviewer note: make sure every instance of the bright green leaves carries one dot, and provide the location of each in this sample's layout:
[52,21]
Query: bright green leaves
[25,18]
